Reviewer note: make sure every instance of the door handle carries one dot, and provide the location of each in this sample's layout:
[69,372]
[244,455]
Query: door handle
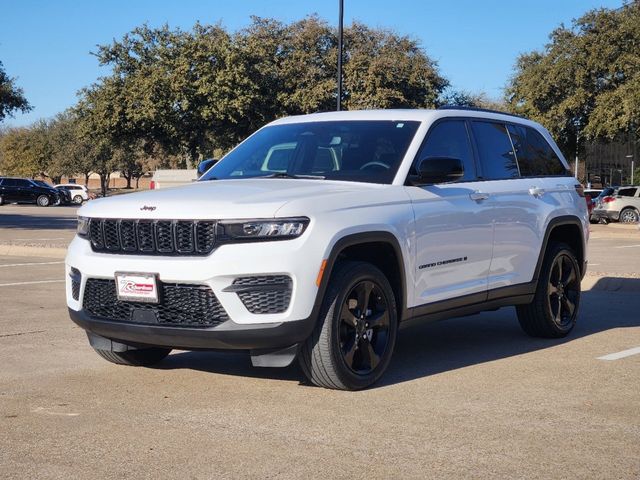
[478,196]
[536,192]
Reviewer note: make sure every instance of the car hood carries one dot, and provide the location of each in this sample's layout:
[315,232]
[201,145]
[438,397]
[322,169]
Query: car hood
[220,199]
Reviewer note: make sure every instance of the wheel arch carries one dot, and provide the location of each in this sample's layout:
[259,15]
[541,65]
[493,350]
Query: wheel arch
[566,229]
[380,248]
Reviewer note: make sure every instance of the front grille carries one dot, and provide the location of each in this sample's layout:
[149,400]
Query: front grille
[181,305]
[265,293]
[152,237]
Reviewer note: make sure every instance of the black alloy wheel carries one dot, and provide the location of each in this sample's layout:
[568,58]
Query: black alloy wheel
[564,290]
[364,327]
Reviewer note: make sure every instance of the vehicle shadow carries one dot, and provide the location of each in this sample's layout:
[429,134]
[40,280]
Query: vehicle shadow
[44,222]
[439,347]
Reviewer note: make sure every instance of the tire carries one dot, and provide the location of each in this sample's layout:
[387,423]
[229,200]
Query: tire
[554,309]
[78,200]
[629,215]
[346,351]
[135,358]
[43,201]
[1,201]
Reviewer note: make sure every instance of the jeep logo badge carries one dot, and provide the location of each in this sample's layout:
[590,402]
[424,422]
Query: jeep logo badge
[148,208]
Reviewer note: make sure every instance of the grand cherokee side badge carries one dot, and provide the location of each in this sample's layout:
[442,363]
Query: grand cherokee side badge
[148,208]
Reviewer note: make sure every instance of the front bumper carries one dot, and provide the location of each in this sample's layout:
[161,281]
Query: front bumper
[228,335]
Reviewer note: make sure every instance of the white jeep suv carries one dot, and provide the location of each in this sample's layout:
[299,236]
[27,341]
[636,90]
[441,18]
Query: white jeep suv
[319,236]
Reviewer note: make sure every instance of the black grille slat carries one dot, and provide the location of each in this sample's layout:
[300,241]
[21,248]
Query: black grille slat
[181,305]
[111,237]
[128,235]
[185,241]
[95,232]
[164,236]
[152,237]
[145,237]
[205,236]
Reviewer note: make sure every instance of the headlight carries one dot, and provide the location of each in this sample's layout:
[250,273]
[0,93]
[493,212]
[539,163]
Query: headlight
[83,226]
[260,230]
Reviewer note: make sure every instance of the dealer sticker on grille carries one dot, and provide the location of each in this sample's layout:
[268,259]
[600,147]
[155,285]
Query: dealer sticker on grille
[137,287]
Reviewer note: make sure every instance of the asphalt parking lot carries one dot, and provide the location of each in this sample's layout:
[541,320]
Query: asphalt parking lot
[468,397]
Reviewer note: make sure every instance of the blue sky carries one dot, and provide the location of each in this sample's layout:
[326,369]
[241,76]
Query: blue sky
[47,44]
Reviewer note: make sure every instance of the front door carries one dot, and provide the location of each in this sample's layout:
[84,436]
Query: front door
[453,224]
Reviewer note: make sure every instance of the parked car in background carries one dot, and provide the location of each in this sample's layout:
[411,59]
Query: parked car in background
[590,196]
[78,193]
[26,190]
[172,178]
[623,205]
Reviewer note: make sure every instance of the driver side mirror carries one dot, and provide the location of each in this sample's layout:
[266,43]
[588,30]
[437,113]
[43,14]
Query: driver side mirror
[438,170]
[205,165]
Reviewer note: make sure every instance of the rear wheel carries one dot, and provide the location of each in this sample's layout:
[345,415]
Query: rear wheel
[1,201]
[554,309]
[629,215]
[136,358]
[351,346]
[43,201]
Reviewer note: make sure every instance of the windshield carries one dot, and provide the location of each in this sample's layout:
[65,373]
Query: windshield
[358,151]
[41,183]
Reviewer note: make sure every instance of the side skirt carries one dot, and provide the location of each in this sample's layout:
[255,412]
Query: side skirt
[470,304]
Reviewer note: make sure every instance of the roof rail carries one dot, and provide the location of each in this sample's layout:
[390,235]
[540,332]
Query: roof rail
[478,109]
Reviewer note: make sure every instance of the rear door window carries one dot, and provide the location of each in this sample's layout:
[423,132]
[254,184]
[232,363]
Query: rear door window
[496,152]
[535,156]
[449,138]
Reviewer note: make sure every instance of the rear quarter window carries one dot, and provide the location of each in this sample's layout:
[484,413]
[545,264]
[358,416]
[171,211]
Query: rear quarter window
[535,156]
[627,192]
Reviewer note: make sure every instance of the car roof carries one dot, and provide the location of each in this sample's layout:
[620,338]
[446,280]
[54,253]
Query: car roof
[421,115]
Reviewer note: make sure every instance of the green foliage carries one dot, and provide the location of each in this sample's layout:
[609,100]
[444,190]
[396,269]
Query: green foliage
[11,97]
[193,92]
[586,83]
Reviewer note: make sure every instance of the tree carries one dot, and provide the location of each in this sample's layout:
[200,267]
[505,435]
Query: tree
[192,92]
[585,84]
[11,97]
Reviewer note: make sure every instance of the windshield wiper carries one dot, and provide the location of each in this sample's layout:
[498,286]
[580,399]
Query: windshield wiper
[290,175]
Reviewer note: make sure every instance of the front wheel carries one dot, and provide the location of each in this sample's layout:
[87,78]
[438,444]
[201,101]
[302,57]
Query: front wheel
[43,201]
[77,199]
[554,309]
[351,345]
[144,357]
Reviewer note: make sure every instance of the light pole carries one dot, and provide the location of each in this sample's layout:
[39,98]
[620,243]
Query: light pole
[632,166]
[340,22]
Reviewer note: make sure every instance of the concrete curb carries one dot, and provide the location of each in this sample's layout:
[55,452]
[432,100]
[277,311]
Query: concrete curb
[32,251]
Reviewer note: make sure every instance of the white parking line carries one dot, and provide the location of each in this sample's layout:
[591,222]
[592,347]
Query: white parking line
[29,264]
[29,283]
[627,246]
[622,354]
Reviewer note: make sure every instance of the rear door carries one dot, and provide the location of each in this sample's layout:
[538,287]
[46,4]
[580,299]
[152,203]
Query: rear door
[453,223]
[527,183]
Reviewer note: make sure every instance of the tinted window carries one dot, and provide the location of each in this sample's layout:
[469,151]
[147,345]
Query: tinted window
[627,192]
[535,156]
[359,151]
[496,152]
[450,139]
[23,183]
[10,182]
